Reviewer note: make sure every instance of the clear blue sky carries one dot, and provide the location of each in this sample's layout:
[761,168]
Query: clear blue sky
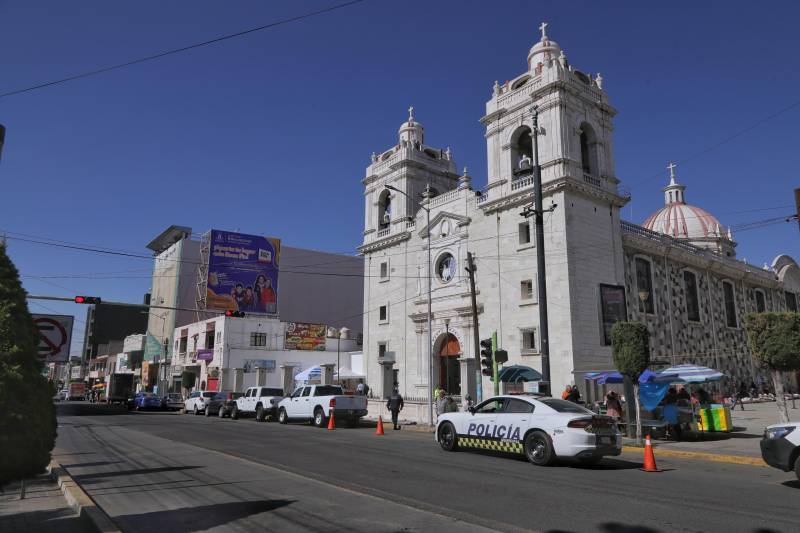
[271,133]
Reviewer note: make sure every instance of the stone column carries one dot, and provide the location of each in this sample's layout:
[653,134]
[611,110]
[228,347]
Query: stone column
[238,379]
[261,376]
[225,378]
[467,366]
[387,378]
[287,378]
[327,373]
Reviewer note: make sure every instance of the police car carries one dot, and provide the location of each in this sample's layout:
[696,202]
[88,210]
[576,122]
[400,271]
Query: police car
[541,428]
[780,447]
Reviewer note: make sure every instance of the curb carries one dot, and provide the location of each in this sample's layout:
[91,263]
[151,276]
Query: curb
[703,456]
[80,502]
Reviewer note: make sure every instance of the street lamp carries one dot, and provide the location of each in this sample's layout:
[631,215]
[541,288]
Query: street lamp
[426,195]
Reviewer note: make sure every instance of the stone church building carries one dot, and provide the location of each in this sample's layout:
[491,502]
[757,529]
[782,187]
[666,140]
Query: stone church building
[677,272]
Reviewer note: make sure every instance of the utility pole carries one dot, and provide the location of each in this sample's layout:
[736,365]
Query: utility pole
[538,213]
[475,333]
[797,203]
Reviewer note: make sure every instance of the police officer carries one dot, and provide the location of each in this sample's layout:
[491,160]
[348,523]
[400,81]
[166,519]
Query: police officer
[395,405]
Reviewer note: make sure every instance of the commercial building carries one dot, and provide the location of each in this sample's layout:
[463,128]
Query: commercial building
[678,272]
[107,325]
[235,353]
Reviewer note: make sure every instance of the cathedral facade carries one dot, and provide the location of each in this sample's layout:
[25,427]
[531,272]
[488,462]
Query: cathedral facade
[677,272]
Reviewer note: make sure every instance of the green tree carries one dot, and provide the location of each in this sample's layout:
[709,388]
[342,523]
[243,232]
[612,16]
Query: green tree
[630,347]
[774,340]
[188,379]
[27,415]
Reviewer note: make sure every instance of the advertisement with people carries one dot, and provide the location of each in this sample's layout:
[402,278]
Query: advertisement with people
[250,365]
[243,273]
[300,336]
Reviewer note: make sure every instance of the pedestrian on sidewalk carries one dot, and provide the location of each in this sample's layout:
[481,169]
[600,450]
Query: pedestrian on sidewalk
[395,405]
[613,405]
[739,395]
[574,395]
[567,392]
[670,414]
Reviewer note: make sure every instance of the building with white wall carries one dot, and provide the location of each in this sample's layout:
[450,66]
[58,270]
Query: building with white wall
[680,276]
[235,353]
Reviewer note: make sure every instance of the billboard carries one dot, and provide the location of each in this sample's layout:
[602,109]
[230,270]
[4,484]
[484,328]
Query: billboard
[300,336]
[243,273]
[250,365]
[55,335]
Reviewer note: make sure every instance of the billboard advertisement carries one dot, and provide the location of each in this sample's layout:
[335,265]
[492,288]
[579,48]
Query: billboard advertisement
[301,336]
[250,365]
[243,273]
[55,334]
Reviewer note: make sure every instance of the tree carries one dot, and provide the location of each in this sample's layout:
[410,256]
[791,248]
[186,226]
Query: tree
[774,340]
[27,415]
[630,347]
[188,379]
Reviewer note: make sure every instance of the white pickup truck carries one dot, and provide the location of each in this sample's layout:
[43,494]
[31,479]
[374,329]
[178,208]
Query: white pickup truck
[260,401]
[317,402]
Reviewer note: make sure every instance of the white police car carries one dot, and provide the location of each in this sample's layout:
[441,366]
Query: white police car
[541,428]
[780,447]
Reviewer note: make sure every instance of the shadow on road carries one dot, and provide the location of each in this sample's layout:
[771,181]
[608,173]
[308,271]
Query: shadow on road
[197,518]
[794,483]
[607,464]
[82,478]
[61,520]
[87,465]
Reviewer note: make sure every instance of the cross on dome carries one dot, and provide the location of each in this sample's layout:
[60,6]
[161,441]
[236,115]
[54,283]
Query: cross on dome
[671,168]
[543,29]
[411,113]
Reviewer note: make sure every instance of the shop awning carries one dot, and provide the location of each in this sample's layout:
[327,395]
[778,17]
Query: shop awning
[347,373]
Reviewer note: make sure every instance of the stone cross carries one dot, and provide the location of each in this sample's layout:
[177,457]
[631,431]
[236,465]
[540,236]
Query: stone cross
[671,168]
[411,113]
[543,28]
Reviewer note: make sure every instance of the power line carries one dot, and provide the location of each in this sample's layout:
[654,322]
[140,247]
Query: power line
[181,49]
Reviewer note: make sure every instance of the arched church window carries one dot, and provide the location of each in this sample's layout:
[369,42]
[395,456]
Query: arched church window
[522,153]
[384,210]
[588,150]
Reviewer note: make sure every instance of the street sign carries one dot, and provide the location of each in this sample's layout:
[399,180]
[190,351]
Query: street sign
[55,336]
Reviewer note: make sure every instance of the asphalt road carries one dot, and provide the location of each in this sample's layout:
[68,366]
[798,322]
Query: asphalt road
[182,473]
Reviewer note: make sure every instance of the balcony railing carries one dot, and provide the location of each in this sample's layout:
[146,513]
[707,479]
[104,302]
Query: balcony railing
[592,180]
[384,232]
[522,182]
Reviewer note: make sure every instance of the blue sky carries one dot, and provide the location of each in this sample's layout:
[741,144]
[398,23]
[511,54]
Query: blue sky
[271,133]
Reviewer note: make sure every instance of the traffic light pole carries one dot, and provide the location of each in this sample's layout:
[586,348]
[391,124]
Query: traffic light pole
[495,382]
[475,333]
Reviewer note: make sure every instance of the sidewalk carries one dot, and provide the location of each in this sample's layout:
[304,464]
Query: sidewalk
[43,510]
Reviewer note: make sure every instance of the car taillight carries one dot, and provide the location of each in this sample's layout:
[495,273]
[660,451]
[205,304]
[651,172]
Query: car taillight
[333,402]
[581,423]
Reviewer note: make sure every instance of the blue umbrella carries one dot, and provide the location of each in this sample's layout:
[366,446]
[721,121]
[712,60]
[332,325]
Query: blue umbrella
[602,378]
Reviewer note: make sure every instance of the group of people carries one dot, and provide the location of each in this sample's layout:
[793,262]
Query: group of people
[258,298]
[571,394]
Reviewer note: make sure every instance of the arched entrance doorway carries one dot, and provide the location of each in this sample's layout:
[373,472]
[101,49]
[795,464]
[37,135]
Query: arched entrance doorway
[449,369]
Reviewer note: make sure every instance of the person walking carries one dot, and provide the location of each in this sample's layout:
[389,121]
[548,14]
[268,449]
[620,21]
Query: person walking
[613,405]
[395,405]
[441,403]
[466,402]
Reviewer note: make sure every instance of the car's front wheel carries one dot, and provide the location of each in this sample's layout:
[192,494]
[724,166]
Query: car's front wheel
[207,411]
[283,418]
[221,413]
[260,413]
[448,439]
[539,448]
[234,412]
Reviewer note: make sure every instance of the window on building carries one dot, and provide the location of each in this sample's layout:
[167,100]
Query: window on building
[730,304]
[791,302]
[528,340]
[383,313]
[692,300]
[526,289]
[644,284]
[184,342]
[209,339]
[525,232]
[381,350]
[761,302]
[385,270]
[588,150]
[258,339]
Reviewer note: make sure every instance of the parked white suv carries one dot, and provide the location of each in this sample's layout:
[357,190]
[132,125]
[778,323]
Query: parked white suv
[260,401]
[197,401]
[317,402]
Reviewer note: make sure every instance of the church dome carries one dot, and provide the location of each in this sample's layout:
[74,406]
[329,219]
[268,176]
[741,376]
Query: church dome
[543,51]
[681,220]
[411,131]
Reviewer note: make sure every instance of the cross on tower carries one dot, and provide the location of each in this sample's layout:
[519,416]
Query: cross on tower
[671,168]
[543,28]
[411,113]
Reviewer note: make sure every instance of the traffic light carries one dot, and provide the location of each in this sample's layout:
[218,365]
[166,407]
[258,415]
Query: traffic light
[500,356]
[87,300]
[234,314]
[487,359]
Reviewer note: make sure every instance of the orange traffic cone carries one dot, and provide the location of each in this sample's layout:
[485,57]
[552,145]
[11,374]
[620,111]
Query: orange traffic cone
[331,425]
[379,431]
[649,457]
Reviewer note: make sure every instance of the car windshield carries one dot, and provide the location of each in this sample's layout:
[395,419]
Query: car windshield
[208,394]
[563,406]
[327,390]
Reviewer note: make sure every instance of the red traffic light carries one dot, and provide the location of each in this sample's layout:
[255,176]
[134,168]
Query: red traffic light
[87,300]
[234,314]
